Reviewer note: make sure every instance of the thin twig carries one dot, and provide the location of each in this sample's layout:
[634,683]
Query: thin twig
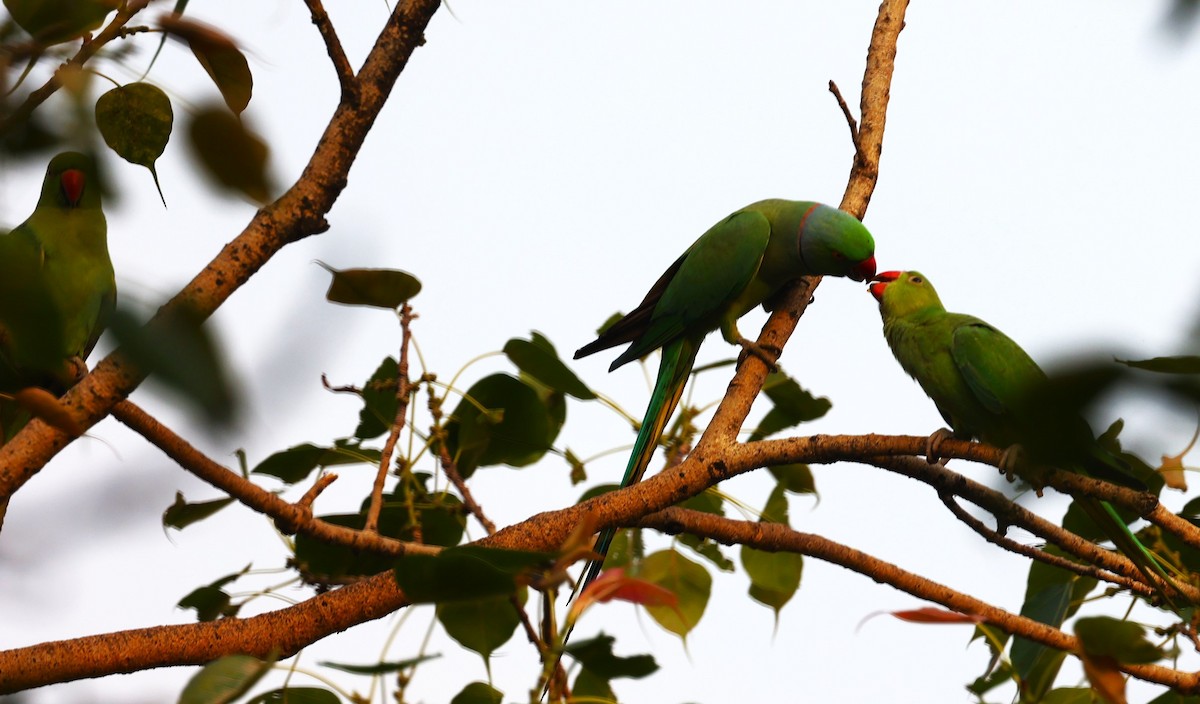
[333,46]
[850,121]
[315,490]
[403,390]
[437,434]
[290,518]
[1033,553]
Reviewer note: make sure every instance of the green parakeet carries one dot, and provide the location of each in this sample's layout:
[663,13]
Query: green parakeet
[56,284]
[981,381]
[741,262]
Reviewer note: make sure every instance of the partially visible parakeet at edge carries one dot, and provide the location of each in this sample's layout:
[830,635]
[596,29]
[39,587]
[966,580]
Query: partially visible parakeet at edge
[741,262]
[981,381]
[57,288]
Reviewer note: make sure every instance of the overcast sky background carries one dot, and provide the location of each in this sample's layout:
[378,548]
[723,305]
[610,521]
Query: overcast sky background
[538,166]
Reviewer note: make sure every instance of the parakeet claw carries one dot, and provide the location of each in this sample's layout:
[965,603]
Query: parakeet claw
[768,355]
[933,444]
[1012,460]
[76,368]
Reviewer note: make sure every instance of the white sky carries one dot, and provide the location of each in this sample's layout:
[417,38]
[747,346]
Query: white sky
[539,165]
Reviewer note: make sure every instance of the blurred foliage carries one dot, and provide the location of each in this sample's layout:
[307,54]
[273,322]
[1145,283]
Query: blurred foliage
[510,418]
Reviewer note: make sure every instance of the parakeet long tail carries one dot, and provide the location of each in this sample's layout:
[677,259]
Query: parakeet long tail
[1107,519]
[673,372]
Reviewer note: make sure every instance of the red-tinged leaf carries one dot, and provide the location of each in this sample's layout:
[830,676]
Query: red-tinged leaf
[927,614]
[1107,681]
[930,614]
[615,584]
[46,407]
[219,55]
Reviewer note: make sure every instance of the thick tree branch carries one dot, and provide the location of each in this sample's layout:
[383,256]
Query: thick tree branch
[284,632]
[776,537]
[296,214]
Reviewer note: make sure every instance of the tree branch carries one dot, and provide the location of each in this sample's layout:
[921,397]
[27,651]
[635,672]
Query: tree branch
[333,46]
[90,47]
[289,517]
[776,537]
[296,214]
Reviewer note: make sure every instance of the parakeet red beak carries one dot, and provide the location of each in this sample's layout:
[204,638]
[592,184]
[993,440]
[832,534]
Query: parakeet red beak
[881,282]
[863,270]
[72,185]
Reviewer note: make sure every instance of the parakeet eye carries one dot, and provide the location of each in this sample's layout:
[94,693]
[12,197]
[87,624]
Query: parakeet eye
[917,280]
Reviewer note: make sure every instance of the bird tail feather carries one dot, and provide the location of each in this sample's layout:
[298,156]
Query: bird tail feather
[1109,521]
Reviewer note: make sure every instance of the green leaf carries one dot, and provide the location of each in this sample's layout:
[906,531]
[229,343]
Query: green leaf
[776,508]
[621,551]
[1187,364]
[792,406]
[233,156]
[224,680]
[538,359]
[516,429]
[596,655]
[794,478]
[481,625]
[478,693]
[378,288]
[296,695]
[774,576]
[181,514]
[219,55]
[380,668]
[181,354]
[379,401]
[135,121]
[708,549]
[297,462]
[1069,695]
[1052,595]
[211,601]
[467,572]
[707,501]
[590,687]
[1175,698]
[1123,641]
[439,515]
[56,21]
[687,580]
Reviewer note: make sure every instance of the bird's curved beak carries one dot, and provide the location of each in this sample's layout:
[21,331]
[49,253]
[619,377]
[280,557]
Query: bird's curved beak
[881,282]
[72,181]
[864,270]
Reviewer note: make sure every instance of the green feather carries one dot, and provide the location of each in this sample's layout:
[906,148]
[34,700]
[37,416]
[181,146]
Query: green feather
[57,288]
[739,263]
[981,381]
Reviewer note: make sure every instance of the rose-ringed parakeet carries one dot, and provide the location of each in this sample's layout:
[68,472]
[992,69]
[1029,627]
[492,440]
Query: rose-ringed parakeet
[981,382]
[741,262]
[56,285]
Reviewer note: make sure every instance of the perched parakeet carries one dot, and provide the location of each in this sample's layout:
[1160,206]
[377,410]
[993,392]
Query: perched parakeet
[981,382]
[741,262]
[56,283]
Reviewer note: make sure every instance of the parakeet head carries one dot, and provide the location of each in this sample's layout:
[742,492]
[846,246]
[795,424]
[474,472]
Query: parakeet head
[70,182]
[902,293]
[835,243]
